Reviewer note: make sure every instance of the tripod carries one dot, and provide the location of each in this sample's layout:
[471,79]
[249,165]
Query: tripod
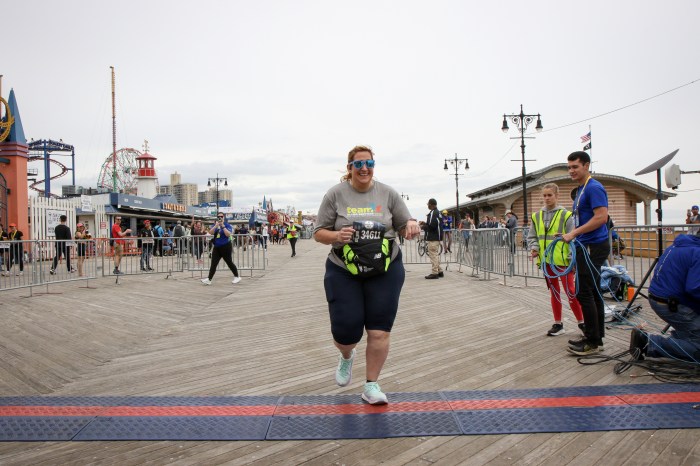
[656,166]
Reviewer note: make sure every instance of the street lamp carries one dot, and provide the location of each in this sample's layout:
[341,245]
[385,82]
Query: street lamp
[522,121]
[217,181]
[456,163]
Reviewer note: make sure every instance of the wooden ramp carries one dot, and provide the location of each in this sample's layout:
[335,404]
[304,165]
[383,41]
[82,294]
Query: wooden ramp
[269,336]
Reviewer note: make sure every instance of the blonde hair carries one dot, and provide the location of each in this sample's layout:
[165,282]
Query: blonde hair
[351,157]
[551,186]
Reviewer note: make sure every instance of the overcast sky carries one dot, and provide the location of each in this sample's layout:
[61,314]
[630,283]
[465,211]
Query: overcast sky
[273,94]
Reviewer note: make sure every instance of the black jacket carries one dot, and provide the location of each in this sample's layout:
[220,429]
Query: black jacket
[433,226]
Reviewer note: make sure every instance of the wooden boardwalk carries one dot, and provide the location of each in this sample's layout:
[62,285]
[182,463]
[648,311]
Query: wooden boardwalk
[269,335]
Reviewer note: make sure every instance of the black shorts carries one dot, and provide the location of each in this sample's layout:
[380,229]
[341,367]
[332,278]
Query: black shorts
[355,303]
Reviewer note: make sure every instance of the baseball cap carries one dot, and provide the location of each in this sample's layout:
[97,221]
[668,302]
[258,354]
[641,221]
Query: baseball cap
[179,222]
[12,225]
[444,211]
[694,208]
[147,221]
[79,225]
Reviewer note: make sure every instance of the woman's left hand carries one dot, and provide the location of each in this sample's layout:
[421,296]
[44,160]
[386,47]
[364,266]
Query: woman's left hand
[412,229]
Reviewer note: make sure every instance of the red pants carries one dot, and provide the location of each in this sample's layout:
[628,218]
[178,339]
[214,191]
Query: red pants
[567,282]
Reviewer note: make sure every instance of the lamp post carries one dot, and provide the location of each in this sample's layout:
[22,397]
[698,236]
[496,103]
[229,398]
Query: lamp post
[522,121]
[217,181]
[456,163]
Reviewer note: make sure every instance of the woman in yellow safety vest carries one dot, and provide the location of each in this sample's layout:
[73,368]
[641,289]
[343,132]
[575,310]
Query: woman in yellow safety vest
[548,223]
[292,236]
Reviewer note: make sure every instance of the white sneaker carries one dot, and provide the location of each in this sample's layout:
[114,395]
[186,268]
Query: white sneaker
[343,373]
[19,274]
[206,281]
[236,280]
[373,394]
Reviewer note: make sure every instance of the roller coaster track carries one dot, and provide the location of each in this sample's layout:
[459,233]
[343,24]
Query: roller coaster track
[45,147]
[34,185]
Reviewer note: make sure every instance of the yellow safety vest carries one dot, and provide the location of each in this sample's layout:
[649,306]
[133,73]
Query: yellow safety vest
[545,236]
[289,232]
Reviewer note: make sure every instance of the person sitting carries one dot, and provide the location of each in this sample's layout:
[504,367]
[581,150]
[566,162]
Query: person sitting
[674,295]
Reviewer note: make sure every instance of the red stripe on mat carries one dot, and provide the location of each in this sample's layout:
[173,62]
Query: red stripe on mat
[300,410]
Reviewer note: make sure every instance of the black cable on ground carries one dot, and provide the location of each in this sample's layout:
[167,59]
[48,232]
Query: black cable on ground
[663,370]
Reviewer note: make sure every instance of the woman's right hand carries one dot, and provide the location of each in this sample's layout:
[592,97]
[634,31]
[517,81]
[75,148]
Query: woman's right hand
[344,235]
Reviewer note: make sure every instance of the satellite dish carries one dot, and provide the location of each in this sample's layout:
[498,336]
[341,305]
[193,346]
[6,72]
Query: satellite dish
[672,176]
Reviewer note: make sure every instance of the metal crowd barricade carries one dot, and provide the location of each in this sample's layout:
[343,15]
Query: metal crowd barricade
[249,252]
[29,263]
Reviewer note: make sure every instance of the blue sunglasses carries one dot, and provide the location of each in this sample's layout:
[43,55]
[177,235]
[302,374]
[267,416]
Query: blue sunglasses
[359,163]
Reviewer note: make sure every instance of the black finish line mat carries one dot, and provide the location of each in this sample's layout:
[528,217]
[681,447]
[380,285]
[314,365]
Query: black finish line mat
[572,409]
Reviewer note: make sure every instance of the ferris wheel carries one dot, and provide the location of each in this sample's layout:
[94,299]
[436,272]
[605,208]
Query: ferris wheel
[126,169]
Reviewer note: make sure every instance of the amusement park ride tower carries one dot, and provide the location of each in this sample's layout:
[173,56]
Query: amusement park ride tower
[146,179]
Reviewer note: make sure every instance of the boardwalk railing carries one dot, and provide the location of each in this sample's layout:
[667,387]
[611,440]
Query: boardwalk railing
[28,264]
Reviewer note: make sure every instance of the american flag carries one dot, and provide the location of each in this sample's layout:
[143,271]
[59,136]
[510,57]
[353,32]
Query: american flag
[586,137]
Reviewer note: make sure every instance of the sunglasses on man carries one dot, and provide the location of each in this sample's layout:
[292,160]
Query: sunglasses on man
[359,163]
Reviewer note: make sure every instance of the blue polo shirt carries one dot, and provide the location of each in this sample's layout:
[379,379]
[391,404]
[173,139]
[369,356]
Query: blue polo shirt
[589,196]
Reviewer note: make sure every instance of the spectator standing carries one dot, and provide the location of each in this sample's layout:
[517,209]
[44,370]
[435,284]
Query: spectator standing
[265,236]
[447,224]
[198,241]
[551,222]
[466,226]
[160,233]
[63,235]
[147,236]
[364,272]
[16,248]
[591,232]
[693,218]
[222,249]
[119,242]
[511,225]
[433,235]
[178,237]
[4,251]
[81,237]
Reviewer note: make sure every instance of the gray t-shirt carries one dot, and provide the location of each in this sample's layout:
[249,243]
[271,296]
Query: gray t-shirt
[342,205]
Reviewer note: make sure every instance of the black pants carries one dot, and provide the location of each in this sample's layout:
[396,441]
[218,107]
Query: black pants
[17,256]
[293,244]
[589,296]
[61,250]
[222,252]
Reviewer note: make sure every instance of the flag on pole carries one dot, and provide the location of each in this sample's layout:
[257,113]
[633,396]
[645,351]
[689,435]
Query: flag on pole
[587,146]
[586,137]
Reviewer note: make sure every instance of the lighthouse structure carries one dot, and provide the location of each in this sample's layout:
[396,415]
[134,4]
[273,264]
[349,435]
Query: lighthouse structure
[146,179]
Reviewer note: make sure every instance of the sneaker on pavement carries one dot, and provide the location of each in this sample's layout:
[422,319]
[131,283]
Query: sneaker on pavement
[236,280]
[206,281]
[19,274]
[52,271]
[557,329]
[373,394]
[343,373]
[441,274]
[432,276]
[584,349]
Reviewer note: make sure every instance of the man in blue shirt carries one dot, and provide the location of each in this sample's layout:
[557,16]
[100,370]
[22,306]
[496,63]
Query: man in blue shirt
[674,294]
[590,211]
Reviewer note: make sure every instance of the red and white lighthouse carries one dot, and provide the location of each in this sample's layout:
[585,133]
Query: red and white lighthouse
[146,179]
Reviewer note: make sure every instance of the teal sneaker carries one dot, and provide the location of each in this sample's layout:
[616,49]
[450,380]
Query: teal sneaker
[373,394]
[343,372]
